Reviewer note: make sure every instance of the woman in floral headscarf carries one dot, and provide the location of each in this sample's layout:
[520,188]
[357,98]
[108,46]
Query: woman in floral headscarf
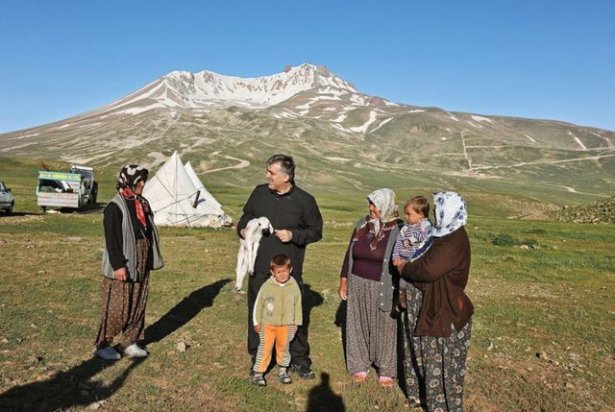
[131,251]
[366,282]
[442,333]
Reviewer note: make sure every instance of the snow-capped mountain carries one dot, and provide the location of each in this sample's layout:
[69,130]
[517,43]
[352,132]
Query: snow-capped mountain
[207,89]
[227,126]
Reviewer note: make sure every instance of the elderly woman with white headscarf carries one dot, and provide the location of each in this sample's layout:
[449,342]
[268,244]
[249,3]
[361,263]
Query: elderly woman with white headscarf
[442,333]
[367,283]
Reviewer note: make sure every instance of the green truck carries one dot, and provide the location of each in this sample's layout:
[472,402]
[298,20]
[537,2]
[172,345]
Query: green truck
[66,190]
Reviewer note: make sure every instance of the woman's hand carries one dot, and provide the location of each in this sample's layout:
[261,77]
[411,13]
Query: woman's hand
[120,274]
[400,265]
[343,289]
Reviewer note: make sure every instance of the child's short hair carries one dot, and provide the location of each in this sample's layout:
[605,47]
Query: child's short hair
[279,261]
[419,204]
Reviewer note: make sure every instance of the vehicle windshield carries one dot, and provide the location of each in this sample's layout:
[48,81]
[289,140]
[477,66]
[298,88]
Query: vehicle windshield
[83,172]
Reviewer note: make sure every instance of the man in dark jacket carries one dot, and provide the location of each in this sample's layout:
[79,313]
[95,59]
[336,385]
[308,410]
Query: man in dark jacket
[297,221]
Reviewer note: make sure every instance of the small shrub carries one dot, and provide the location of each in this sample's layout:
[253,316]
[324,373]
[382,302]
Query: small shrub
[505,240]
[537,232]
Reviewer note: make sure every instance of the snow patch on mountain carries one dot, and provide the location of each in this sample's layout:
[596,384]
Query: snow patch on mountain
[146,92]
[285,114]
[341,128]
[385,121]
[340,118]
[137,110]
[481,119]
[373,115]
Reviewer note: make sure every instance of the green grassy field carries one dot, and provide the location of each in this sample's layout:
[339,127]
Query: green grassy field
[542,339]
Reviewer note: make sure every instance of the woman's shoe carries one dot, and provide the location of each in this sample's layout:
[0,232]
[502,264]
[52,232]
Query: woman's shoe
[108,353]
[359,377]
[386,381]
[134,351]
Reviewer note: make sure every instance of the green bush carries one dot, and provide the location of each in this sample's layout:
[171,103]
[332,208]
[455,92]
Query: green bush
[505,240]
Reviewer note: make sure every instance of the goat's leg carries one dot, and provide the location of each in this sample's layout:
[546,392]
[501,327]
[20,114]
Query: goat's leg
[253,251]
[242,265]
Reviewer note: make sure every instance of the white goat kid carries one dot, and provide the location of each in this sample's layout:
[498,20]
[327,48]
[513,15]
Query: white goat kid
[248,248]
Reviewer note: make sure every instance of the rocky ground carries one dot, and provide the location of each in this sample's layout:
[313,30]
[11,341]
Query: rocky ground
[601,211]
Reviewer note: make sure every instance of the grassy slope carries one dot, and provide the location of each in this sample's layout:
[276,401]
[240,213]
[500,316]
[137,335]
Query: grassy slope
[542,335]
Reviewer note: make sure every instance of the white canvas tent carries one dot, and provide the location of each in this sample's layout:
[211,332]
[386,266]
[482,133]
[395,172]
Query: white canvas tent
[179,198]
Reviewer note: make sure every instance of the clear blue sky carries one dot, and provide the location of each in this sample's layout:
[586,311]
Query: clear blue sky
[543,59]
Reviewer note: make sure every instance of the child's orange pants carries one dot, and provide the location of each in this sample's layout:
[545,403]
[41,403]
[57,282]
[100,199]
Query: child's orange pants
[270,336]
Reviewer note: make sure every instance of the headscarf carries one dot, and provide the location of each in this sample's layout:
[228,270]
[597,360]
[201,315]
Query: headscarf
[127,181]
[451,213]
[130,175]
[386,202]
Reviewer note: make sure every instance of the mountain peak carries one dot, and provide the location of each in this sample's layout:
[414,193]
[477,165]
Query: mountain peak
[208,88]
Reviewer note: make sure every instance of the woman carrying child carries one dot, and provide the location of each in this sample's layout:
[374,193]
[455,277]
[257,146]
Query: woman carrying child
[445,318]
[412,237]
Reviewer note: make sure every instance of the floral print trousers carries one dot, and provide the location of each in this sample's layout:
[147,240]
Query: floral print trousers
[434,368]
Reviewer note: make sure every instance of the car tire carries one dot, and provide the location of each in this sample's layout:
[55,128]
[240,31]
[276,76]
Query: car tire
[94,195]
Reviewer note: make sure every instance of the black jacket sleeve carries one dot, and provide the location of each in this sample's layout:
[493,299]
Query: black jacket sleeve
[312,230]
[114,243]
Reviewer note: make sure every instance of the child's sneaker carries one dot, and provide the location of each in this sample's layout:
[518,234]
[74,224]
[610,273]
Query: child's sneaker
[258,380]
[285,378]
